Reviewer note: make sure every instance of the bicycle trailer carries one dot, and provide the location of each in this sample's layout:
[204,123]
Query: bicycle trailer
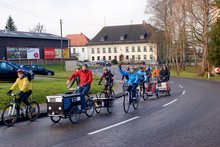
[60,105]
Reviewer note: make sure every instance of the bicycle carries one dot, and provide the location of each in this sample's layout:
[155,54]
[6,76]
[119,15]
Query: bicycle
[128,100]
[106,99]
[10,115]
[141,91]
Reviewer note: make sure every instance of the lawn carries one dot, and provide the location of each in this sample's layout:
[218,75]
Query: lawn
[192,72]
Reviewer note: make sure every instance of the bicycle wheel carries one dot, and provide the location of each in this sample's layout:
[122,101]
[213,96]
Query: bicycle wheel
[89,108]
[112,94]
[126,103]
[136,102]
[74,114]
[145,96]
[33,111]
[98,106]
[55,119]
[9,116]
[110,106]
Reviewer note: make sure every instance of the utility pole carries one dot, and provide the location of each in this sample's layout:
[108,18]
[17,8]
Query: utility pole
[61,40]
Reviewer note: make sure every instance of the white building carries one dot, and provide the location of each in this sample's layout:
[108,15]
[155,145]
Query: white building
[127,43]
[78,46]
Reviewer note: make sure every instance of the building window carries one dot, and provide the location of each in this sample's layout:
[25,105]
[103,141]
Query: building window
[109,58]
[151,57]
[133,57]
[126,49]
[98,58]
[139,49]
[109,50]
[133,49]
[123,37]
[143,36]
[93,52]
[82,49]
[145,57]
[151,49]
[127,57]
[103,50]
[93,58]
[145,49]
[115,57]
[104,58]
[139,57]
[74,50]
[115,49]
[98,50]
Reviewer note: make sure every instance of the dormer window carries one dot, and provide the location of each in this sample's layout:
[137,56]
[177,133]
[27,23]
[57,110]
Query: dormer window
[123,36]
[103,38]
[143,36]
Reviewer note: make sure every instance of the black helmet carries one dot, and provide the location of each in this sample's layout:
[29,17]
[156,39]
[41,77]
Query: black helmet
[85,65]
[141,68]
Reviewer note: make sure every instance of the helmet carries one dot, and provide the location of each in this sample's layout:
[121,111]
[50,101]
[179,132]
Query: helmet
[141,68]
[77,67]
[105,68]
[20,70]
[85,65]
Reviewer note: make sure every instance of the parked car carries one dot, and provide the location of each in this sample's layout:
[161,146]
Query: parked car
[105,63]
[39,70]
[8,71]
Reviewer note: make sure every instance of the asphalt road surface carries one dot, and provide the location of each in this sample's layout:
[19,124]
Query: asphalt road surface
[189,117]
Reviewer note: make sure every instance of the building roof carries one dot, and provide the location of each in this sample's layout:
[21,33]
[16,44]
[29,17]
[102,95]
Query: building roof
[136,33]
[78,39]
[19,34]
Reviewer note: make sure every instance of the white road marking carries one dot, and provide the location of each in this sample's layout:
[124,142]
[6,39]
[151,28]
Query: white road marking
[112,126]
[180,86]
[171,82]
[184,91]
[170,103]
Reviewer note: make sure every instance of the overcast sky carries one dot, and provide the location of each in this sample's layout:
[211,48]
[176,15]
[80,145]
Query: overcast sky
[86,16]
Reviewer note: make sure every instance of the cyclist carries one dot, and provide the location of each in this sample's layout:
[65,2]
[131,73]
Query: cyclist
[142,77]
[24,86]
[148,73]
[76,79]
[108,78]
[132,79]
[156,72]
[85,76]
[164,74]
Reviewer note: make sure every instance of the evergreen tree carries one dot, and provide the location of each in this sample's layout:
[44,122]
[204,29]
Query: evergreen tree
[214,44]
[10,25]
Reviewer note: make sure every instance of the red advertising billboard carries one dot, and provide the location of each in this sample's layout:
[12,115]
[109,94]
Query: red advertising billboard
[49,53]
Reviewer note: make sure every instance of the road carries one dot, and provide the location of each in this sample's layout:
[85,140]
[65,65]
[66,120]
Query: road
[189,117]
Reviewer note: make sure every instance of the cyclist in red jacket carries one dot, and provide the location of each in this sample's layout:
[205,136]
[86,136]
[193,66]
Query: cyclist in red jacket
[85,76]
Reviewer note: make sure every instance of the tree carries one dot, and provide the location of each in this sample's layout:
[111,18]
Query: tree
[39,28]
[186,23]
[10,25]
[214,43]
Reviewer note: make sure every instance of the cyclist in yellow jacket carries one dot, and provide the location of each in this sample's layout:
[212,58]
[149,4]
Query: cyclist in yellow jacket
[24,86]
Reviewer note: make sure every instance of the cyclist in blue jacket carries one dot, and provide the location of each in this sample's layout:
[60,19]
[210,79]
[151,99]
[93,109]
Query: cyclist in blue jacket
[132,81]
[142,77]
